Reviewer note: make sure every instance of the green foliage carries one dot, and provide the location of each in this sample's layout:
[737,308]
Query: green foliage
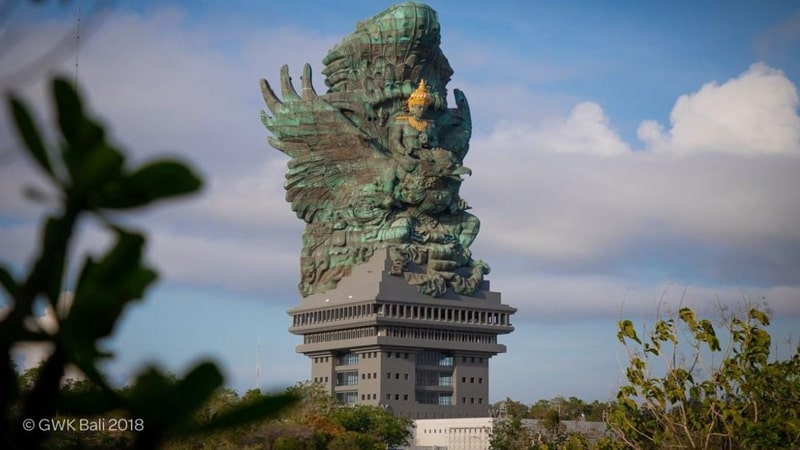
[315,422]
[551,421]
[93,181]
[510,434]
[510,408]
[375,422]
[714,397]
[351,440]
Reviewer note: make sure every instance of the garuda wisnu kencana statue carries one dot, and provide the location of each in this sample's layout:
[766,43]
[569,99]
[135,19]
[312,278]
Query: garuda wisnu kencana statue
[376,162]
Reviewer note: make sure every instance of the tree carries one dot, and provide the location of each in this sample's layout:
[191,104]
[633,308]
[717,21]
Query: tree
[351,440]
[708,396]
[510,434]
[374,421]
[510,408]
[538,409]
[551,421]
[313,400]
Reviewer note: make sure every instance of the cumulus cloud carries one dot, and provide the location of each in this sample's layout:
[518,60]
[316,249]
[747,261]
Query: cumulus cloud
[754,113]
[261,265]
[571,208]
[542,297]
[585,130]
[579,200]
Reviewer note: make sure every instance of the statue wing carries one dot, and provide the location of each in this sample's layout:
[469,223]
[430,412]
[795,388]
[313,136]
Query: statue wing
[329,152]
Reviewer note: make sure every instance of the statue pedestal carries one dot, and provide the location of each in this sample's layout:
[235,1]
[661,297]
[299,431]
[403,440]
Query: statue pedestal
[376,340]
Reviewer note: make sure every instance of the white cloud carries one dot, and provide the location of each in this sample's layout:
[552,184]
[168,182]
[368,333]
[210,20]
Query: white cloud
[706,215]
[227,261]
[541,297]
[717,216]
[754,113]
[585,130]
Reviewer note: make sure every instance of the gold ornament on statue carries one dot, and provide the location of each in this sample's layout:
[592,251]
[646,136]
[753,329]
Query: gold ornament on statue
[420,97]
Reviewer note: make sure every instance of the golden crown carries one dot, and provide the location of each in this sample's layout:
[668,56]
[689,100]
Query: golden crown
[420,96]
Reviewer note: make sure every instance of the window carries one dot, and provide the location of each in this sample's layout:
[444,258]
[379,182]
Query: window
[388,396]
[480,401]
[397,376]
[434,358]
[405,396]
[405,376]
[472,379]
[347,378]
[397,396]
[472,400]
[434,398]
[430,378]
[388,375]
[463,379]
[347,397]
[348,359]
[480,380]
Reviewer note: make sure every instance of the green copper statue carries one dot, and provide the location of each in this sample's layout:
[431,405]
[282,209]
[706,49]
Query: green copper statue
[376,162]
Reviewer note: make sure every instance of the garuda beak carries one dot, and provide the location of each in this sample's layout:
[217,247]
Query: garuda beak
[461,170]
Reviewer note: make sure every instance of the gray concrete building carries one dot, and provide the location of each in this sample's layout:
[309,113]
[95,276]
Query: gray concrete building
[376,340]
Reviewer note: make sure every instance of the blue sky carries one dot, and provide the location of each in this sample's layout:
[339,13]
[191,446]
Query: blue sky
[624,153]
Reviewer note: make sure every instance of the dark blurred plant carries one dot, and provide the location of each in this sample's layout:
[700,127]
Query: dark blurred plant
[92,181]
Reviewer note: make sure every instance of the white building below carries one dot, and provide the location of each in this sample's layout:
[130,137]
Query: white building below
[462,434]
[474,433]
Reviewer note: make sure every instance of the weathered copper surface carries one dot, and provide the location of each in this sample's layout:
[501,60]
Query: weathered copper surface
[376,162]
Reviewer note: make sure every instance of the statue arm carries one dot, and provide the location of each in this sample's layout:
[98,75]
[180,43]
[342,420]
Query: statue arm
[433,140]
[396,135]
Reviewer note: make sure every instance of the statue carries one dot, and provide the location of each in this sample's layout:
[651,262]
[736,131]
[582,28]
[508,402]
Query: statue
[377,161]
[411,132]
